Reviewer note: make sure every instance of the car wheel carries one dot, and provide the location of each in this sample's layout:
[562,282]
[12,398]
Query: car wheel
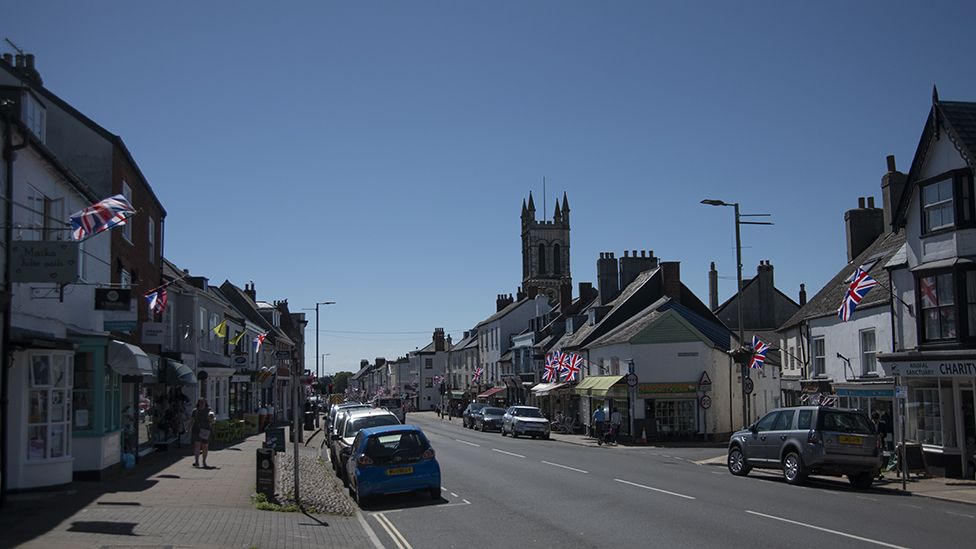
[514,433]
[435,493]
[793,469]
[862,480]
[502,429]
[545,437]
[737,462]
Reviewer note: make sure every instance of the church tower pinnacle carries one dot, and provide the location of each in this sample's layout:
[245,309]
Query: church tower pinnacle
[545,249]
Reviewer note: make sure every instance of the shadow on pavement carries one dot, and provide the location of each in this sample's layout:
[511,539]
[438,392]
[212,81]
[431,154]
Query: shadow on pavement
[402,501]
[100,527]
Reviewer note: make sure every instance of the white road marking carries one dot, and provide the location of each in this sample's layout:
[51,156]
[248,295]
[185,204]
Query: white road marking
[867,498]
[912,506]
[566,467]
[466,501]
[717,473]
[369,532]
[507,453]
[960,514]
[455,495]
[395,534]
[468,443]
[844,534]
[655,489]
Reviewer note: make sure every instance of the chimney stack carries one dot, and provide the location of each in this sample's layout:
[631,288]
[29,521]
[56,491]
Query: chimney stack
[9,58]
[607,277]
[803,294]
[892,185]
[250,292]
[439,340]
[502,301]
[671,275]
[767,295]
[862,226]
[713,288]
[565,298]
[20,60]
[631,267]
[532,292]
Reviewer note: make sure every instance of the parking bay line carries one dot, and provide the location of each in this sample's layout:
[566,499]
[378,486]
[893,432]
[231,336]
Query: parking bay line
[654,489]
[566,467]
[468,443]
[507,453]
[822,529]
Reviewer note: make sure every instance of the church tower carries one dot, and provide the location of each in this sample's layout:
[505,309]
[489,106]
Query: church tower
[545,249]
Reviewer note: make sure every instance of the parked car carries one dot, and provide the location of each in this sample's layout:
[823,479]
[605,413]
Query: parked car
[394,405]
[809,440]
[336,408]
[356,420]
[337,426]
[525,420]
[488,418]
[466,419]
[392,459]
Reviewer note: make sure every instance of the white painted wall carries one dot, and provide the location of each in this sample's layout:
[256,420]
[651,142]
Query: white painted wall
[844,338]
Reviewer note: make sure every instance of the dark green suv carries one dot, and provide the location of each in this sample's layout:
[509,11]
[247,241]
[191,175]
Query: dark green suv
[808,440]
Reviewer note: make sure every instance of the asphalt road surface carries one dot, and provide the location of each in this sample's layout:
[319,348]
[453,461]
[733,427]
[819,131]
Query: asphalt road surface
[504,492]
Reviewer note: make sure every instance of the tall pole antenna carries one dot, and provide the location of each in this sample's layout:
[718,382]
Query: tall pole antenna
[12,45]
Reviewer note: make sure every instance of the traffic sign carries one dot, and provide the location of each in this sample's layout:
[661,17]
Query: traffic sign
[631,379]
[282,354]
[705,402]
[705,382]
[901,391]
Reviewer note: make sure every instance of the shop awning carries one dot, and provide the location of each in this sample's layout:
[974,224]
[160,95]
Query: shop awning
[491,392]
[457,394]
[128,360]
[597,386]
[544,389]
[178,373]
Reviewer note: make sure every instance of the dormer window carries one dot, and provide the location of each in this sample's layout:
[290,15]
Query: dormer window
[947,202]
[35,117]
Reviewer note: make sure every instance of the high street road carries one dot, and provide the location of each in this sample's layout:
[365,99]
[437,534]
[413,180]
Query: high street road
[504,492]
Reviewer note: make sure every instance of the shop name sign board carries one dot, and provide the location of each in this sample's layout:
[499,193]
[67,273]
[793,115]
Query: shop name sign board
[935,368]
[53,261]
[666,388]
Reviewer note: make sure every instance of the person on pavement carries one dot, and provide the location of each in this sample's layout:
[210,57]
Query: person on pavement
[599,419]
[615,421]
[201,425]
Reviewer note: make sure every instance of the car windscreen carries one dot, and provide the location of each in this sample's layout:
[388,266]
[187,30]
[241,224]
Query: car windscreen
[387,446]
[845,422]
[493,412]
[389,403]
[356,424]
[526,412]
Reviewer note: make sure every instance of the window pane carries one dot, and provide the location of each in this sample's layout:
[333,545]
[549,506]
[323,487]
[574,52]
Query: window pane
[59,371]
[38,407]
[58,408]
[971,301]
[948,323]
[945,289]
[932,324]
[41,370]
[37,442]
[926,287]
[57,441]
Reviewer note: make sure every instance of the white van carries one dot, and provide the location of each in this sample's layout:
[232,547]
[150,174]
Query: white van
[394,405]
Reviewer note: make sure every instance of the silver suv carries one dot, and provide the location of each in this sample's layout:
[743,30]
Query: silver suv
[809,440]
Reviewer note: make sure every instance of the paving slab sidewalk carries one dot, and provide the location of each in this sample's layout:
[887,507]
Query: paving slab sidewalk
[165,501]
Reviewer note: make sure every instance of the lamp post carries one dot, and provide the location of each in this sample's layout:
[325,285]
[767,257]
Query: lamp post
[742,354]
[317,367]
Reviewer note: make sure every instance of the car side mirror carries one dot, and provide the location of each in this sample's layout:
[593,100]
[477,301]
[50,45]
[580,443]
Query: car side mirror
[754,428]
[336,437]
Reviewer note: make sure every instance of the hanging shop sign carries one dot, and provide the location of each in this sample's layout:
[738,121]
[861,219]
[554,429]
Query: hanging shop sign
[113,299]
[152,333]
[54,261]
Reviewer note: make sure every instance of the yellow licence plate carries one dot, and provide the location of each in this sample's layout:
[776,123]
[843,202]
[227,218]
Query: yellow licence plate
[847,439]
[399,471]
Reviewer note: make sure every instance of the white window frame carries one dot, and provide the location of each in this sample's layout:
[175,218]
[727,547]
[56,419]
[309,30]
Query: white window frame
[45,387]
[204,318]
[819,363]
[35,117]
[127,228]
[125,278]
[869,364]
[938,204]
[152,240]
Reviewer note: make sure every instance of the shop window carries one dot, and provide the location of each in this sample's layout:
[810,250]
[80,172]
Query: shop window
[971,303]
[675,416]
[112,401]
[925,417]
[49,417]
[83,396]
[869,364]
[937,299]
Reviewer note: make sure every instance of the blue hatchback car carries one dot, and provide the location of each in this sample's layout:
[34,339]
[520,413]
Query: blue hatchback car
[392,459]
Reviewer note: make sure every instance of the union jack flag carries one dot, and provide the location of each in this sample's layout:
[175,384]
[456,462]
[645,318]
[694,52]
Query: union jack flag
[861,284]
[438,380]
[477,373]
[564,360]
[258,341]
[759,348]
[157,300]
[573,367]
[100,216]
[552,364]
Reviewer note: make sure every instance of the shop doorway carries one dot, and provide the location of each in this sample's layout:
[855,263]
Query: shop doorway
[968,410]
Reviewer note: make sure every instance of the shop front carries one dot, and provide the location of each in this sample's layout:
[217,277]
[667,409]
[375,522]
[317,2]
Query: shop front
[607,392]
[939,409]
[871,398]
[670,410]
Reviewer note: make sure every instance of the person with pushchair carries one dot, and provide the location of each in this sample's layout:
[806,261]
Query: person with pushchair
[599,421]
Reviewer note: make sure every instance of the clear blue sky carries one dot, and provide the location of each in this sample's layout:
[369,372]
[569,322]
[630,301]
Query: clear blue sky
[377,153]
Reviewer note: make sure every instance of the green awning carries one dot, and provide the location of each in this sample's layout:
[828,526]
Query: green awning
[597,386]
[457,394]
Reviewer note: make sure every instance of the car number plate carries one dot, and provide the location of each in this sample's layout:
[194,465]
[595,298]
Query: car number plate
[399,471]
[848,439]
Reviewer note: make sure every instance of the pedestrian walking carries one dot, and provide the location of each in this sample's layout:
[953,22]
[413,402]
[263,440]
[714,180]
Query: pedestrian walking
[201,427]
[615,421]
[876,420]
[599,419]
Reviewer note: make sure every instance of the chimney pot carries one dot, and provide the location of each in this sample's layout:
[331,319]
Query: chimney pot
[890,159]
[9,58]
[860,202]
[870,202]
[29,58]
[625,253]
[642,253]
[20,60]
[633,253]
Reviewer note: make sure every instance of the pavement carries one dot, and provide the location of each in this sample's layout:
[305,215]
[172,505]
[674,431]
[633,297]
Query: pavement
[165,501]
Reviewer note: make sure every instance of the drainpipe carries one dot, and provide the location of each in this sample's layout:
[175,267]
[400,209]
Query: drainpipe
[6,296]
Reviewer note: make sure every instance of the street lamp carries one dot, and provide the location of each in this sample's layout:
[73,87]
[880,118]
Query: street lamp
[317,367]
[741,354]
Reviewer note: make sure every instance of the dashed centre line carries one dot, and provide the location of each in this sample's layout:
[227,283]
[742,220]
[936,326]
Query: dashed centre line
[507,453]
[566,467]
[822,529]
[654,489]
[468,443]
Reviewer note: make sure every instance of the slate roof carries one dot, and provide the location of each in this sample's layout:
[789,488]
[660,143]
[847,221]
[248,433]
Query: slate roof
[828,299]
[961,117]
[714,331]
[470,341]
[242,302]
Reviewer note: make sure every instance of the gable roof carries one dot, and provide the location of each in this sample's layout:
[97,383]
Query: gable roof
[242,302]
[711,331]
[828,299]
[959,120]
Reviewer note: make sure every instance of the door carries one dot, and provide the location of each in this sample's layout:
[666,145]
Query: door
[756,440]
[778,435]
[968,409]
